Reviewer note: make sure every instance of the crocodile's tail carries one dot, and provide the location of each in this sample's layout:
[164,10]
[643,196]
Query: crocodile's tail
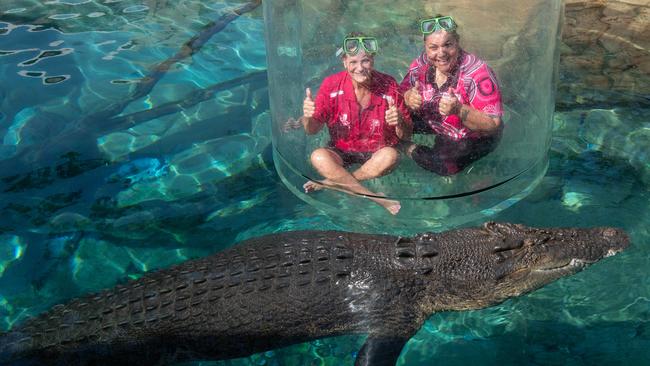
[15,348]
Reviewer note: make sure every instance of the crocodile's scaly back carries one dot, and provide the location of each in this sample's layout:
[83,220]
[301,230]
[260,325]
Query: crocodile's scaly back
[281,289]
[261,294]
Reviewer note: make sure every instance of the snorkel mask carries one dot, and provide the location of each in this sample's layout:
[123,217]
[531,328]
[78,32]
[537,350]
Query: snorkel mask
[428,26]
[352,45]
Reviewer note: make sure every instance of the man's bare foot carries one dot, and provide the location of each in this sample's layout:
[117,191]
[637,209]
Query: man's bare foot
[391,206]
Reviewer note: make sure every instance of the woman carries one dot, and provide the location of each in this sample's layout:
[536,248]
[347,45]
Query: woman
[454,95]
[365,116]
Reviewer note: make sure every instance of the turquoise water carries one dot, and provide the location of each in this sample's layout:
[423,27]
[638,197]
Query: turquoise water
[114,162]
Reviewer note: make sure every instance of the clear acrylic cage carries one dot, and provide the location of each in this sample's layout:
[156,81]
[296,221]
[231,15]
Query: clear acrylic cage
[520,42]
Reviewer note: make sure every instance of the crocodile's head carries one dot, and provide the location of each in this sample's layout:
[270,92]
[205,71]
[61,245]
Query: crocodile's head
[476,268]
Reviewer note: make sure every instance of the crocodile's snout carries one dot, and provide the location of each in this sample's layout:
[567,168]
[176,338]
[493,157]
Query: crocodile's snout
[618,238]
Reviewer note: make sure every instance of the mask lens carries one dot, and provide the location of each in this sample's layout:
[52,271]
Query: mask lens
[447,23]
[370,44]
[351,46]
[428,26]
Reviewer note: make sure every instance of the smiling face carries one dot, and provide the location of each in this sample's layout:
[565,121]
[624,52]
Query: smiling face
[359,67]
[442,50]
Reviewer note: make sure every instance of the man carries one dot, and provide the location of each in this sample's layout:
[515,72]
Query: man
[366,117]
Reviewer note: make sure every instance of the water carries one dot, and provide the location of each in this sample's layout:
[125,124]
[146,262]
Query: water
[107,174]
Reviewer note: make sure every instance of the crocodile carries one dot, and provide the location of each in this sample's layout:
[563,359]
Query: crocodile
[286,288]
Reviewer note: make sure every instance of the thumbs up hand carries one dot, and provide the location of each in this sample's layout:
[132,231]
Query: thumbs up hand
[392,116]
[308,105]
[449,103]
[412,97]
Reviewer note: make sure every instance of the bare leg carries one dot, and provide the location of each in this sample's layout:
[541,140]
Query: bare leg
[380,164]
[319,156]
[330,165]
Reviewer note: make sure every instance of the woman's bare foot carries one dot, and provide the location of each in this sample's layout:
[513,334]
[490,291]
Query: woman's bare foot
[313,186]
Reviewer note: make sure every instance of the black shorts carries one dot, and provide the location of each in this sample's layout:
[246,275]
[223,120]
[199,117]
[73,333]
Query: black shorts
[449,157]
[351,157]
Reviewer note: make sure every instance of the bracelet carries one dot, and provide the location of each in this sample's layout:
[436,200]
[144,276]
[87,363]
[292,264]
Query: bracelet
[464,112]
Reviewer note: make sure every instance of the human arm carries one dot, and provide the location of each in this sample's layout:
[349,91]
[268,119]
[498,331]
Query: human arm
[471,117]
[476,120]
